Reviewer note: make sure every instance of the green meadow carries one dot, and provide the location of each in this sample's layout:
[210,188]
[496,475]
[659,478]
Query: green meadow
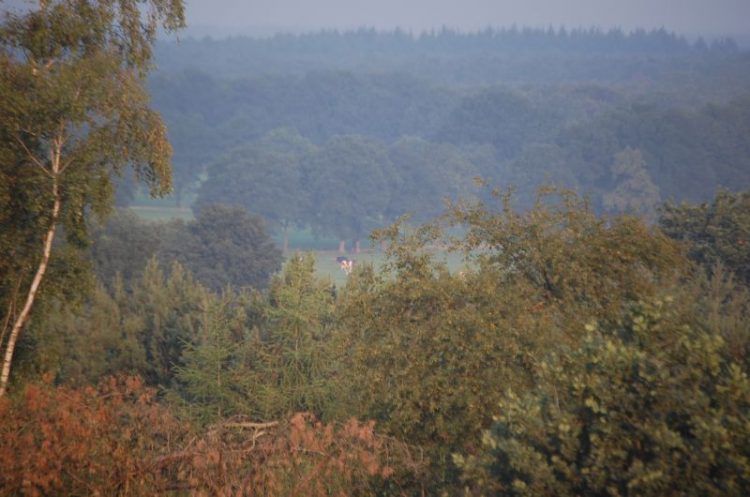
[324,248]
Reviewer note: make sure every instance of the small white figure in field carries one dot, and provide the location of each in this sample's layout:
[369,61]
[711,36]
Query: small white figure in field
[347,266]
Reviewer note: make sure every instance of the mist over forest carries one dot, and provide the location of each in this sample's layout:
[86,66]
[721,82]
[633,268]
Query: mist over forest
[508,261]
[515,106]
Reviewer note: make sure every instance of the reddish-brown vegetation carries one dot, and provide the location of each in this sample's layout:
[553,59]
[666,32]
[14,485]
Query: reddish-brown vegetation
[87,441]
[118,440]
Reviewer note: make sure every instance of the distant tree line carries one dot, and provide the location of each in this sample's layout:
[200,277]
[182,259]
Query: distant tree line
[631,119]
[345,187]
[448,55]
[627,156]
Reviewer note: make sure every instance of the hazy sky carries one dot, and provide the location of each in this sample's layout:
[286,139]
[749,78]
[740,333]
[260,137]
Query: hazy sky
[707,17]
[690,17]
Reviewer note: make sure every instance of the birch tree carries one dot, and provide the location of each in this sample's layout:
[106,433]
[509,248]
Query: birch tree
[73,112]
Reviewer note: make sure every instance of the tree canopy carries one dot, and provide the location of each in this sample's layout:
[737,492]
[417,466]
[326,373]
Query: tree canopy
[225,246]
[75,112]
[717,233]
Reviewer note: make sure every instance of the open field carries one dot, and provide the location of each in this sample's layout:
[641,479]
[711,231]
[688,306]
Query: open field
[324,248]
[327,267]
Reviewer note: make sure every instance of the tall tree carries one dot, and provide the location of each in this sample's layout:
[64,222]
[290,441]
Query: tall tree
[350,179]
[425,175]
[634,192]
[296,370]
[211,381]
[74,110]
[265,177]
[124,245]
[431,352]
[225,245]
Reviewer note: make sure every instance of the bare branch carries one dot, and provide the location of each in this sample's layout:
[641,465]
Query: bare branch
[31,156]
[11,314]
[65,165]
[248,424]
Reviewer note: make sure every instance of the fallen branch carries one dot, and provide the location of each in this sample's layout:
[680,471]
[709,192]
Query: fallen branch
[249,424]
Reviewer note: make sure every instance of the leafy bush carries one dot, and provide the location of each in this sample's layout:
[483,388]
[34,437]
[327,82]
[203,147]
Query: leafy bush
[657,406]
[715,233]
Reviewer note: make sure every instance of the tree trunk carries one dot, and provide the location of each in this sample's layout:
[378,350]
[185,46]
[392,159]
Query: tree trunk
[41,269]
[342,247]
[356,247]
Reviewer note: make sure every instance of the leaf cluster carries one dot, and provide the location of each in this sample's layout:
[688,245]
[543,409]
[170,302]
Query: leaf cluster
[715,233]
[656,405]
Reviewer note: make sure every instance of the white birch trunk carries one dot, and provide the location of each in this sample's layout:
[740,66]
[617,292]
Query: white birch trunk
[55,159]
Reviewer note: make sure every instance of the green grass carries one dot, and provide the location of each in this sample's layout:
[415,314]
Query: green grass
[326,266]
[325,249]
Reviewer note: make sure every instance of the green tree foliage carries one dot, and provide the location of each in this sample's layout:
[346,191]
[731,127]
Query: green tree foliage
[265,355]
[555,107]
[425,175]
[296,368]
[656,405]
[716,233]
[634,192]
[166,311]
[141,330]
[430,353]
[498,117]
[539,164]
[513,55]
[212,380]
[570,257]
[225,246]
[265,177]
[549,131]
[74,111]
[190,103]
[350,180]
[195,143]
[80,344]
[688,153]
[123,245]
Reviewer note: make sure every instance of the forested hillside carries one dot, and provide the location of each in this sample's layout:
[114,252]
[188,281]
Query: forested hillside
[560,304]
[643,115]
[514,55]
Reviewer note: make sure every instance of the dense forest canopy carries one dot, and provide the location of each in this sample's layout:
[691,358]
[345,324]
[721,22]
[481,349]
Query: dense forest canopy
[516,106]
[451,56]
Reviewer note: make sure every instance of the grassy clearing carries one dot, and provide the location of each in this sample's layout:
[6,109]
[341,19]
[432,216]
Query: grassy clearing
[324,248]
[327,267]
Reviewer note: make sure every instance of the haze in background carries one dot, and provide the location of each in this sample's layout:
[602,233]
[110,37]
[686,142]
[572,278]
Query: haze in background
[218,18]
[708,18]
